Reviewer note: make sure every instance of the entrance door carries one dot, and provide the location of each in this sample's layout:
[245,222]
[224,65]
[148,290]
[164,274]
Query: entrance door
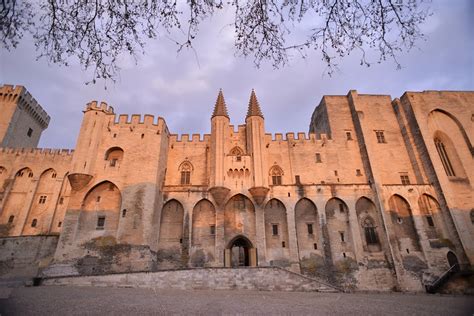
[452,259]
[240,253]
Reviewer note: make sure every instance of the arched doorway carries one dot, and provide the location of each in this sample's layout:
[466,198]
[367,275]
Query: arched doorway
[240,253]
[452,259]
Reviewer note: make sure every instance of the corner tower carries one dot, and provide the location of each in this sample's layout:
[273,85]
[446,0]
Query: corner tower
[22,119]
[219,127]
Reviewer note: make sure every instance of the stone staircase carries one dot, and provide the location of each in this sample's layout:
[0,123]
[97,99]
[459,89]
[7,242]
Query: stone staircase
[249,278]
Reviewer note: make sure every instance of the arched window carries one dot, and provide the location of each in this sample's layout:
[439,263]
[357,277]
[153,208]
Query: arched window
[237,152]
[443,155]
[114,156]
[186,168]
[276,173]
[370,233]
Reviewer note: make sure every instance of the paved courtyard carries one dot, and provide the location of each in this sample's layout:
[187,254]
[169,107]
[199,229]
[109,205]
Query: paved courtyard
[113,301]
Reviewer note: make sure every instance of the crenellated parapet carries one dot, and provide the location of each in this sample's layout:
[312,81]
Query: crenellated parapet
[25,101]
[103,106]
[36,152]
[299,137]
[195,138]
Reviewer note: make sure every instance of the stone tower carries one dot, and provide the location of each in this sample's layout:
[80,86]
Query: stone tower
[22,120]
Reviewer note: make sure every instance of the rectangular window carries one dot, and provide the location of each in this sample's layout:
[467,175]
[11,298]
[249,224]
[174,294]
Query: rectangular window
[11,218]
[358,172]
[113,162]
[238,158]
[100,222]
[404,178]
[276,180]
[185,177]
[342,236]
[297,180]
[283,244]
[310,229]
[315,246]
[59,224]
[430,221]
[341,207]
[318,157]
[30,132]
[42,199]
[274,229]
[61,200]
[380,137]
[212,229]
[348,135]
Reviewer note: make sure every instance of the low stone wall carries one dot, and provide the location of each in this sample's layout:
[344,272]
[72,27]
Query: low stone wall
[22,257]
[260,278]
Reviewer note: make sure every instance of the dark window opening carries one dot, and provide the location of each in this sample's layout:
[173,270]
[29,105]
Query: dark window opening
[30,132]
[60,224]
[113,162]
[297,180]
[344,254]
[404,178]
[310,229]
[42,199]
[124,212]
[276,180]
[380,137]
[408,250]
[358,172]
[275,230]
[430,221]
[143,136]
[115,135]
[238,158]
[185,177]
[348,135]
[371,235]
[283,244]
[30,175]
[341,208]
[100,222]
[318,157]
[61,200]
[53,175]
[342,236]
[212,229]
[97,199]
[34,222]
[315,246]
[11,218]
[335,173]
[181,240]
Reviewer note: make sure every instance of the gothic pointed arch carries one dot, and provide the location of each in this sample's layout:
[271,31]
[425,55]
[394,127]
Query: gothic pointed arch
[114,156]
[236,151]
[276,233]
[459,126]
[203,233]
[186,169]
[339,230]
[172,248]
[404,225]
[448,155]
[239,218]
[307,228]
[432,218]
[276,175]
[370,226]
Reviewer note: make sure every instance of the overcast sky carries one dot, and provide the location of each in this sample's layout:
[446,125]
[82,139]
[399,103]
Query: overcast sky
[183,90]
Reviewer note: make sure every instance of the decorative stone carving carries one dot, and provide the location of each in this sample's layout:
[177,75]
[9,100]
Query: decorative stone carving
[219,194]
[259,194]
[79,180]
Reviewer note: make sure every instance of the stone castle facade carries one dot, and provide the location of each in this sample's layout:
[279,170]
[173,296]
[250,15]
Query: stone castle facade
[377,196]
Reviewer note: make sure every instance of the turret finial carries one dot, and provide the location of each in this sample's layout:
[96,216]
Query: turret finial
[254,106]
[220,109]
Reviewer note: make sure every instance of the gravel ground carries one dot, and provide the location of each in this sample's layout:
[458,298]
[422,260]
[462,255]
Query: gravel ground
[52,300]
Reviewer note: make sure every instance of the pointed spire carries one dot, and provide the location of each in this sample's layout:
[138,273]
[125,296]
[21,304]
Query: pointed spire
[220,109]
[254,107]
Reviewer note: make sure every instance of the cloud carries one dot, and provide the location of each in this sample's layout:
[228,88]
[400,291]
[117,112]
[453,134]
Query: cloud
[182,87]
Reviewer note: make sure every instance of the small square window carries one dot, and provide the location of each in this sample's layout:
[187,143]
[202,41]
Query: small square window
[348,135]
[100,222]
[358,172]
[318,158]
[275,229]
[380,137]
[238,158]
[405,179]
[212,230]
[30,132]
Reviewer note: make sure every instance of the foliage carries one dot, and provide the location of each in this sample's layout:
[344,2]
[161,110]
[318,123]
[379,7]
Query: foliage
[97,32]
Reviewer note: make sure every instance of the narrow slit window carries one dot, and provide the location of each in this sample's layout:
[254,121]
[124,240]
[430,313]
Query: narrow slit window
[100,222]
[34,222]
[275,229]
[212,230]
[310,229]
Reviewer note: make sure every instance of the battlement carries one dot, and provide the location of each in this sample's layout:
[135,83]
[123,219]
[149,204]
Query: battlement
[196,138]
[91,106]
[300,136]
[36,151]
[137,119]
[25,101]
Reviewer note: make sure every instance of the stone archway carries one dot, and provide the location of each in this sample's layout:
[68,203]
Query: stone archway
[240,253]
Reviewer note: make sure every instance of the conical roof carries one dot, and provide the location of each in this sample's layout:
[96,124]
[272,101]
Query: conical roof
[220,109]
[254,106]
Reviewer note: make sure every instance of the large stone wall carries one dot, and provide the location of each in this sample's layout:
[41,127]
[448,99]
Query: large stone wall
[25,256]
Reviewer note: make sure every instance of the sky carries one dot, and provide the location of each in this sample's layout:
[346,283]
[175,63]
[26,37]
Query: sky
[182,87]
